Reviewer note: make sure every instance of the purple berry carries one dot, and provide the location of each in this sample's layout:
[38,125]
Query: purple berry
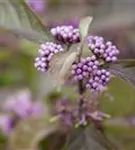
[66,34]
[98,80]
[46,52]
[102,49]
[84,68]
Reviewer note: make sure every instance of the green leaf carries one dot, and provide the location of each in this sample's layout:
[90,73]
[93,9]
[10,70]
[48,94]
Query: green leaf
[120,101]
[17,17]
[87,139]
[53,141]
[123,135]
[126,62]
[127,74]
[84,26]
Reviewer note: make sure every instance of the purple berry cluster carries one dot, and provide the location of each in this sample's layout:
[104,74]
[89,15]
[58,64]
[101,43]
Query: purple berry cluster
[46,51]
[99,80]
[66,34]
[84,68]
[105,50]
[89,70]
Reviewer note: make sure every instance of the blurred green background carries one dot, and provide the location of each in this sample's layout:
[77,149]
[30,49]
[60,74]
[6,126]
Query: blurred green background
[21,33]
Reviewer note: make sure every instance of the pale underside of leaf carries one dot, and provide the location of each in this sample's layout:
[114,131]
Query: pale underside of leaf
[84,26]
[67,64]
[60,66]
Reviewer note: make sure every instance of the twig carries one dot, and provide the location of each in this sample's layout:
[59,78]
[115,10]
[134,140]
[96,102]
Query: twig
[80,82]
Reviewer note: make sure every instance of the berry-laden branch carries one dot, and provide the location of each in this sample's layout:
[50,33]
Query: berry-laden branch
[87,72]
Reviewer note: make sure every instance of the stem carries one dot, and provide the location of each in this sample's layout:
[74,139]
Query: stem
[81,89]
[79,51]
[68,47]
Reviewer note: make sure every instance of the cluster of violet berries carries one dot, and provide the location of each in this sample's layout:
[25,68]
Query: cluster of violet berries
[89,69]
[63,34]
[99,80]
[46,51]
[66,34]
[105,50]
[17,108]
[84,68]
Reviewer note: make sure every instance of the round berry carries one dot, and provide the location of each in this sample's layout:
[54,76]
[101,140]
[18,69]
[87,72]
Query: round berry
[102,49]
[66,34]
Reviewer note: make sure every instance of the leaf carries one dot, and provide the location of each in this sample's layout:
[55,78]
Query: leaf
[122,100]
[17,17]
[60,65]
[88,139]
[67,64]
[53,141]
[124,135]
[127,74]
[126,62]
[122,89]
[84,26]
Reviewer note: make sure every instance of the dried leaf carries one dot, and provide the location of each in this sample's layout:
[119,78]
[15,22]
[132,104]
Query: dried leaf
[84,26]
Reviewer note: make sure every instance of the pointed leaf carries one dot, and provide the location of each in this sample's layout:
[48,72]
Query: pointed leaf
[84,26]
[53,141]
[91,139]
[127,74]
[60,65]
[127,62]
[17,17]
[67,64]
